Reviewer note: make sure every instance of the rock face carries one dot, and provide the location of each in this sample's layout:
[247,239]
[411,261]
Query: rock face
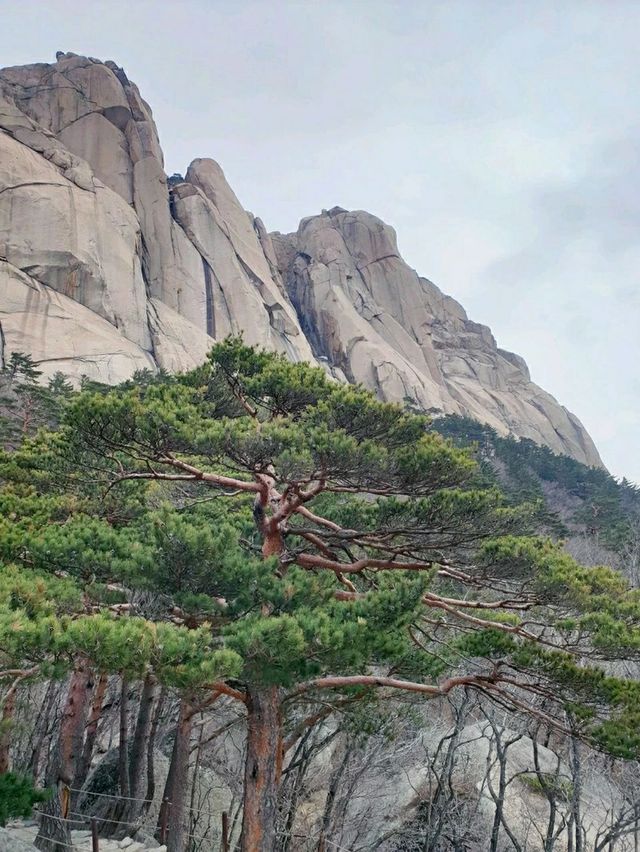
[107,267]
[376,321]
[104,270]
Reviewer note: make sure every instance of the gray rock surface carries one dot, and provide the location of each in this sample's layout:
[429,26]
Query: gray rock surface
[106,269]
[19,837]
[85,211]
[14,840]
[376,321]
[61,334]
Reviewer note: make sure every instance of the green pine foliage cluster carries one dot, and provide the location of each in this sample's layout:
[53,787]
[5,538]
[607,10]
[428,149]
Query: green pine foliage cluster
[17,797]
[27,404]
[606,507]
[251,524]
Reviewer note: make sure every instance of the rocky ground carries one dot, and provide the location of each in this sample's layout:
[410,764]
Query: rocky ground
[19,837]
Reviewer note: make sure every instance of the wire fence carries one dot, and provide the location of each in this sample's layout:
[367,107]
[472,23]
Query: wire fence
[75,818]
[107,795]
[91,794]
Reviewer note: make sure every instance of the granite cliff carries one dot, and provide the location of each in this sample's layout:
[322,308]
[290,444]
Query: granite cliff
[107,266]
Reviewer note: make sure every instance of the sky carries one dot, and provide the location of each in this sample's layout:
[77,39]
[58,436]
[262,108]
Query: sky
[500,138]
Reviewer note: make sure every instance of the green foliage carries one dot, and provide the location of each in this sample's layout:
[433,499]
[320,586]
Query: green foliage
[17,797]
[38,593]
[319,427]
[549,785]
[605,506]
[310,633]
[178,656]
[254,523]
[271,382]
[26,404]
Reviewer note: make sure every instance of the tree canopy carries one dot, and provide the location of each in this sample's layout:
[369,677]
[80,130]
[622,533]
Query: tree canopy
[256,530]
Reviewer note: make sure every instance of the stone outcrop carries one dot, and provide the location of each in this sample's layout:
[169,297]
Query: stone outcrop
[61,334]
[107,267]
[87,219]
[375,321]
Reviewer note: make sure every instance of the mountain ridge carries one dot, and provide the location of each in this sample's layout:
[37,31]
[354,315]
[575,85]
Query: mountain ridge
[106,267]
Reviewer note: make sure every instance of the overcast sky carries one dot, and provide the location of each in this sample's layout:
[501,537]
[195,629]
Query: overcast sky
[501,138]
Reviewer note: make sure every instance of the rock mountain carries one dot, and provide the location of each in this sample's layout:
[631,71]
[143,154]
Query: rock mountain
[107,266]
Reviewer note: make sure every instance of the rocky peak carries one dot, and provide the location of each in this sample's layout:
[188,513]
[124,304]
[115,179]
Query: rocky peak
[376,321]
[108,266]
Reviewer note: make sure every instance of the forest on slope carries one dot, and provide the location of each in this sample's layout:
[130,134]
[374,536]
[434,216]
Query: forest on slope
[598,514]
[247,607]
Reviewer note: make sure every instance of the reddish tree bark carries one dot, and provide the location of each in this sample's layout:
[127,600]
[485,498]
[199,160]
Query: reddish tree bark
[84,764]
[262,771]
[54,831]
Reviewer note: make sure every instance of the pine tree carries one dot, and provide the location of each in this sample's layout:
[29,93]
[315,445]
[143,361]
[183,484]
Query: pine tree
[308,540]
[17,797]
[26,403]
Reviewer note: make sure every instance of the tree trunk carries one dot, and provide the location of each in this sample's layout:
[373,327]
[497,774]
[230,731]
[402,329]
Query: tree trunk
[84,764]
[54,830]
[576,771]
[141,736]
[6,725]
[175,791]
[151,771]
[288,808]
[330,801]
[193,817]
[263,766]
[42,728]
[502,747]
[114,822]
[123,749]
[138,753]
